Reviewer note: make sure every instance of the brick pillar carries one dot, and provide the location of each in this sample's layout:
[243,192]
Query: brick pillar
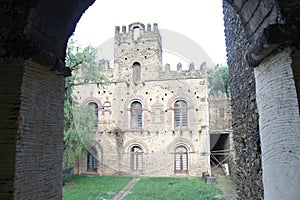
[31,125]
[279,122]
[10,89]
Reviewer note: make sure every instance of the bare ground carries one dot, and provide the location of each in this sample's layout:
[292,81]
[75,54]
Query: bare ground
[227,185]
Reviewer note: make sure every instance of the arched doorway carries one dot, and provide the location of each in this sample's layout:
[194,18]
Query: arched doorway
[181,160]
[136,159]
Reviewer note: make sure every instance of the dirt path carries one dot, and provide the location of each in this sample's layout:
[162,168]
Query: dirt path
[227,185]
[123,193]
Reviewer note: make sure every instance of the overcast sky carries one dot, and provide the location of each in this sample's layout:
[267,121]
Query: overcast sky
[198,20]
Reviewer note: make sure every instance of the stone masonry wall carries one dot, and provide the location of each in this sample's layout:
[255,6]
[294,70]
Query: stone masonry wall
[219,113]
[244,110]
[158,137]
[39,140]
[8,115]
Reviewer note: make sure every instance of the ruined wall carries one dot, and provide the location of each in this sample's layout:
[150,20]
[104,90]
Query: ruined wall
[244,110]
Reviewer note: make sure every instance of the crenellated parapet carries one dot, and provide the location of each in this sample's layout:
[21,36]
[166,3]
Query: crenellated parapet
[137,33]
[168,72]
[135,25]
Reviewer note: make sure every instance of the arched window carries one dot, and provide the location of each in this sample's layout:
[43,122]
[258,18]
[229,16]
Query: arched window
[136,158]
[136,67]
[180,114]
[94,106]
[92,163]
[181,160]
[136,115]
[136,33]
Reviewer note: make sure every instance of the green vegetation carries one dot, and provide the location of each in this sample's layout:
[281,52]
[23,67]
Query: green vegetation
[173,189]
[79,122]
[106,187]
[78,137]
[218,79]
[93,188]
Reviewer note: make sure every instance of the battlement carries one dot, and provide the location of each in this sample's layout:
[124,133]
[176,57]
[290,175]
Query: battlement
[136,25]
[191,72]
[191,67]
[167,72]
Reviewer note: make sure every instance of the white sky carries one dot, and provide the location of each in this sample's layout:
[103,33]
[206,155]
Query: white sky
[199,20]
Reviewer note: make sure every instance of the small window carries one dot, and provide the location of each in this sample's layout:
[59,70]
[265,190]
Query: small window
[181,160]
[136,115]
[95,107]
[92,163]
[136,71]
[136,158]
[180,114]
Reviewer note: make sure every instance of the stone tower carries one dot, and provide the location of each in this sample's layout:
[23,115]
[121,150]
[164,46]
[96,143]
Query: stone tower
[137,52]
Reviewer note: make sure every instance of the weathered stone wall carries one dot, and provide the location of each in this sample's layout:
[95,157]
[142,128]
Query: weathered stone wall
[219,113]
[244,110]
[158,137]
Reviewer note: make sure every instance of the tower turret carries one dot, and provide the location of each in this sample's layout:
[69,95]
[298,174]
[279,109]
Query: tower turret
[137,52]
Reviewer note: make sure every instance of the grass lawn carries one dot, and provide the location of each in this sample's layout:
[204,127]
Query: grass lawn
[173,189]
[93,187]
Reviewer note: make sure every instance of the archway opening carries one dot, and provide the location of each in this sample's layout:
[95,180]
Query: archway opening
[220,153]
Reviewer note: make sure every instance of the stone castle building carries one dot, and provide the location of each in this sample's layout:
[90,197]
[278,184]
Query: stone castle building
[151,120]
[262,40]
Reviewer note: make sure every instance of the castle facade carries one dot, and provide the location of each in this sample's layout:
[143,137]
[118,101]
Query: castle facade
[151,120]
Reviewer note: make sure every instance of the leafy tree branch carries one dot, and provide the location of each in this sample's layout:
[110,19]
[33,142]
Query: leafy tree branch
[79,122]
[218,80]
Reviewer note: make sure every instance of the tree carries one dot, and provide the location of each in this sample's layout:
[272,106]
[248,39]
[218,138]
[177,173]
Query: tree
[84,64]
[79,122]
[78,137]
[218,80]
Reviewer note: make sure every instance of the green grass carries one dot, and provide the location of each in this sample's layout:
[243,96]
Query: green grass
[173,189]
[93,187]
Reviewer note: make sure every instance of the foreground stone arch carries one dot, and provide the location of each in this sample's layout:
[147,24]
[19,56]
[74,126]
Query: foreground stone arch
[263,57]
[33,40]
